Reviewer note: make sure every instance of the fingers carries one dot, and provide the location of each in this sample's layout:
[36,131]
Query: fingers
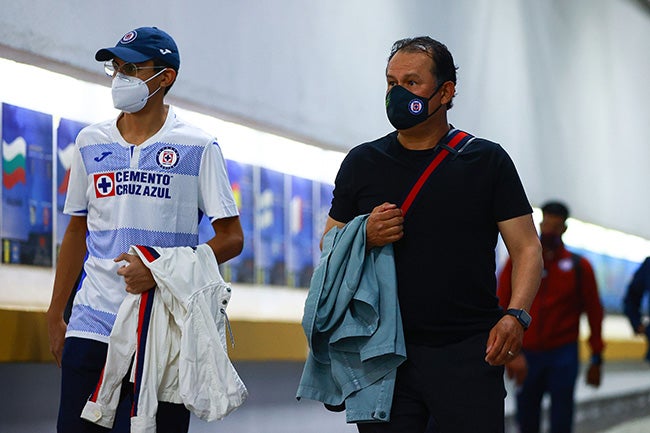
[56,336]
[499,354]
[496,351]
[137,277]
[504,343]
[593,375]
[123,257]
[56,354]
[57,357]
[385,206]
[384,225]
[386,215]
[502,354]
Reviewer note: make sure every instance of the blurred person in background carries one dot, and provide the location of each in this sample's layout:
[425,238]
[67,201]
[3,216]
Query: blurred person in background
[639,288]
[549,362]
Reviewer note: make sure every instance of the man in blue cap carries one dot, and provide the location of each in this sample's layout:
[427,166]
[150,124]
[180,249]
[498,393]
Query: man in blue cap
[145,178]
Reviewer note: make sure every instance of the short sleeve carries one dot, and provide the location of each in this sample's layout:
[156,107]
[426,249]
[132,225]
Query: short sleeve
[343,205]
[76,201]
[510,200]
[216,199]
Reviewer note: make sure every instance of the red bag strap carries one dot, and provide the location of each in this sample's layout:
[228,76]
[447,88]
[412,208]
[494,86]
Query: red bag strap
[450,144]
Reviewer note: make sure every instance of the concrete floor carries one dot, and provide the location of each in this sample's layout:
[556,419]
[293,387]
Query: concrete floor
[29,399]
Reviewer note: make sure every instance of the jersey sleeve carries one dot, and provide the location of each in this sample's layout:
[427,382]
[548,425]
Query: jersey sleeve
[216,199]
[76,201]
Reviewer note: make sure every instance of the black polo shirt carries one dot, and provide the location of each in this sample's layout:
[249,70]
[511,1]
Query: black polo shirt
[446,260]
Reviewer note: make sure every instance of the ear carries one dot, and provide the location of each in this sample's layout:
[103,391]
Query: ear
[447,92]
[168,77]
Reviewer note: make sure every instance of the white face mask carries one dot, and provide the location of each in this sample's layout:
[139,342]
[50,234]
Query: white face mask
[130,94]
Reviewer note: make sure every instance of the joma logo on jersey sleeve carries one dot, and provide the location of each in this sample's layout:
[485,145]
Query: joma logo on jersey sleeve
[132,182]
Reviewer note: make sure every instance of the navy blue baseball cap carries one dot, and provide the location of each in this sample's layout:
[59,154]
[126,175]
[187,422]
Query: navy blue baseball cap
[142,44]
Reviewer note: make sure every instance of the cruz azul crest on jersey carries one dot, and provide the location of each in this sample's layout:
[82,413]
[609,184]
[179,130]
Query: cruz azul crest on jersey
[167,158]
[415,106]
[104,184]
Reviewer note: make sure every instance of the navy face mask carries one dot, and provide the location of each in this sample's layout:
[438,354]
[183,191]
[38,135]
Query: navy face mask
[550,241]
[405,109]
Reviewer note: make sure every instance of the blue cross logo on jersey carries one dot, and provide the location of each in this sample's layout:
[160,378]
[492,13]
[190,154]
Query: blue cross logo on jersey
[104,184]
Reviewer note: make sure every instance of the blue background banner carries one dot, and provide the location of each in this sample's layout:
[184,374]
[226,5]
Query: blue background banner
[270,220]
[66,134]
[301,232]
[26,186]
[242,268]
[323,204]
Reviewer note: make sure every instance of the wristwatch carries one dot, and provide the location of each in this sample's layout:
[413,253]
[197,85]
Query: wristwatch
[521,315]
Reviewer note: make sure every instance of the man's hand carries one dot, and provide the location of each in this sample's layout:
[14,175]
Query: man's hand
[517,369]
[56,328]
[384,225]
[593,375]
[504,341]
[136,275]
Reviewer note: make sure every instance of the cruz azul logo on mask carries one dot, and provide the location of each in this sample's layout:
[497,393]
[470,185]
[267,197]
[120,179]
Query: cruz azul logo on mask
[415,106]
[133,182]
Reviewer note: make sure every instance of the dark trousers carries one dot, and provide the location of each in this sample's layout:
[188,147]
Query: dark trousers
[448,389]
[81,367]
[553,372]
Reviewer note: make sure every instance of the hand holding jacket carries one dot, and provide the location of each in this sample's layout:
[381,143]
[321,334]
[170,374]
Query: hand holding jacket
[384,225]
[137,276]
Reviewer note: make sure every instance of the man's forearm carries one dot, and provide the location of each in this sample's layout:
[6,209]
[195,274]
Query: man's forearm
[526,276]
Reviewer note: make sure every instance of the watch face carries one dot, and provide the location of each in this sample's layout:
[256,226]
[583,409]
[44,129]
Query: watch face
[525,317]
[522,316]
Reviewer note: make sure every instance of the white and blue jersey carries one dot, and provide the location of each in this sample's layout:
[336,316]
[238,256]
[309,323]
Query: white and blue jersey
[153,194]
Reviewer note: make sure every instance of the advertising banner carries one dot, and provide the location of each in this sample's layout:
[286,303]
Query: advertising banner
[300,262]
[26,186]
[270,222]
[66,134]
[241,269]
[322,206]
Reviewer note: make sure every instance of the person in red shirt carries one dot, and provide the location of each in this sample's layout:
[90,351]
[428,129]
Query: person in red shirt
[548,362]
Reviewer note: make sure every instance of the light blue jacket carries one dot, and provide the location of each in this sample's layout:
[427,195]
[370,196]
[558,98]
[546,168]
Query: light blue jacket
[353,326]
